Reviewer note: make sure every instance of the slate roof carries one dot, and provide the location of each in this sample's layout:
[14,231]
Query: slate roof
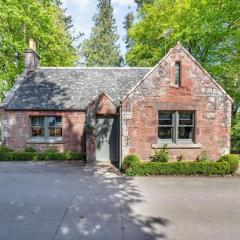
[71,88]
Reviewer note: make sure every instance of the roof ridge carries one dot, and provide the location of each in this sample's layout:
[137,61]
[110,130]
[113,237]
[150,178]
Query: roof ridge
[120,68]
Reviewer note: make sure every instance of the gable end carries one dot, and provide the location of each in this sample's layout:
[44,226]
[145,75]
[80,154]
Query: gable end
[179,47]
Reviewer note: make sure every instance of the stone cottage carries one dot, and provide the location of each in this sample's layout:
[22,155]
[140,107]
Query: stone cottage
[111,112]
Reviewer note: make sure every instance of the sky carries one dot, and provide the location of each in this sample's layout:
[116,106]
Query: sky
[82,12]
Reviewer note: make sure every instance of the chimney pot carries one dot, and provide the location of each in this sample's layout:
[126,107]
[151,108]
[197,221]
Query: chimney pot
[32,44]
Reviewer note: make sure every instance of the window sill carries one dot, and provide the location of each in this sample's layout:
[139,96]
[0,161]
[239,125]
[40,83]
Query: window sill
[45,140]
[177,146]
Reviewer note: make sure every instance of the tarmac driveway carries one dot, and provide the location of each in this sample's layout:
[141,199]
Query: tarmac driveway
[51,201]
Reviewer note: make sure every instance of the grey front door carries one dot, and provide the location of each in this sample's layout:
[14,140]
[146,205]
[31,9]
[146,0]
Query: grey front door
[107,139]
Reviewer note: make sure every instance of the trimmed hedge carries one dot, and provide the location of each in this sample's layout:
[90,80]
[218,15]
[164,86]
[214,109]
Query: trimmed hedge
[233,161]
[225,165]
[39,156]
[130,161]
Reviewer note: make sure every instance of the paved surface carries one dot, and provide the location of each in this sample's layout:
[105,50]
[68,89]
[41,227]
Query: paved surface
[48,201]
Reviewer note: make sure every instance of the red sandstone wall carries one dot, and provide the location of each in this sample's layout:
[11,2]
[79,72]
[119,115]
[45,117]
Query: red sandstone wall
[17,130]
[101,106]
[104,106]
[158,92]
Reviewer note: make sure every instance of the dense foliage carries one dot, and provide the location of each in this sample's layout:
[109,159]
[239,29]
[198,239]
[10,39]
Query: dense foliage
[203,157]
[161,155]
[45,22]
[236,134]
[208,29]
[233,161]
[127,24]
[140,3]
[129,161]
[228,164]
[32,155]
[101,48]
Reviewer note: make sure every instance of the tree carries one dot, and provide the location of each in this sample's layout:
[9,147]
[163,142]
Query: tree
[40,20]
[140,3]
[127,24]
[129,21]
[101,48]
[210,30]
[236,134]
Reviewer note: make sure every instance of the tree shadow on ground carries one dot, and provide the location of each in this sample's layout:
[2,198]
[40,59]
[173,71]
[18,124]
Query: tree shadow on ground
[108,207]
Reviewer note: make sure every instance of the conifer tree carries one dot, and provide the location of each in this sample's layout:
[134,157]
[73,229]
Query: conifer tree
[101,48]
[127,24]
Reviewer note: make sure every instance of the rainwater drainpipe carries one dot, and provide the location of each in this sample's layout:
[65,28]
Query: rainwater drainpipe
[120,136]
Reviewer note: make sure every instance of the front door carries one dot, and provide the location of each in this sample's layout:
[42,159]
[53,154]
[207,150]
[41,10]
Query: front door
[107,139]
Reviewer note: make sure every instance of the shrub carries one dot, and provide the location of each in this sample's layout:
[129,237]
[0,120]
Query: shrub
[179,168]
[39,156]
[233,161]
[4,149]
[30,149]
[21,156]
[180,158]
[51,150]
[235,141]
[130,161]
[73,155]
[161,155]
[203,157]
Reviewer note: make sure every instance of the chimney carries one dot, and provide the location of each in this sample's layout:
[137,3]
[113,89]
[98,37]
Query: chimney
[32,59]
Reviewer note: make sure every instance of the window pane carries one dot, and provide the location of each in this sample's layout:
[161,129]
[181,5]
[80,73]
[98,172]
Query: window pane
[177,73]
[37,131]
[54,121]
[185,118]
[165,118]
[58,121]
[51,121]
[165,132]
[55,132]
[185,133]
[37,121]
[58,132]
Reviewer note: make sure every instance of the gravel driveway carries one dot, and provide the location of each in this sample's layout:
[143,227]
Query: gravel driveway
[48,201]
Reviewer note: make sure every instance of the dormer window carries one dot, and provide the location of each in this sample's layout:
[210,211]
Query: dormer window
[177,73]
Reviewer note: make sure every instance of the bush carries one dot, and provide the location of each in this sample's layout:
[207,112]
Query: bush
[203,157]
[39,156]
[179,168]
[51,150]
[130,161]
[4,149]
[30,149]
[235,141]
[161,155]
[233,161]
